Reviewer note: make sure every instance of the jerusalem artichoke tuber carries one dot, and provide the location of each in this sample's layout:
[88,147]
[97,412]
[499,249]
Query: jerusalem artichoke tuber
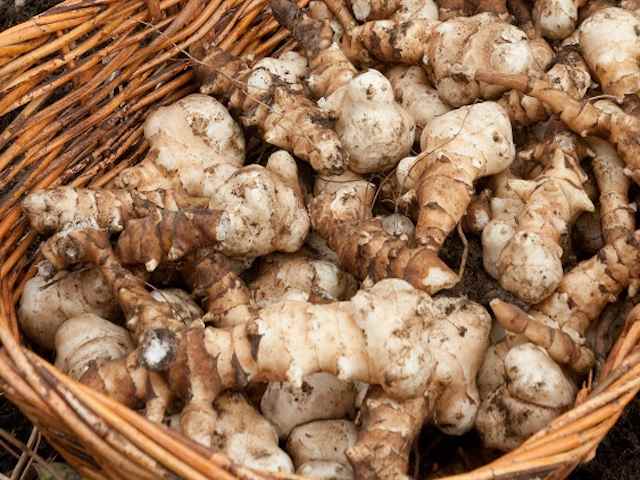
[530,262]
[374,130]
[246,437]
[443,175]
[616,213]
[273,102]
[619,73]
[522,390]
[88,338]
[47,302]
[321,397]
[458,338]
[343,218]
[322,441]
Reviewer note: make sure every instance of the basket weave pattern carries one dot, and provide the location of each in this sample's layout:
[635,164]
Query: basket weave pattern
[76,84]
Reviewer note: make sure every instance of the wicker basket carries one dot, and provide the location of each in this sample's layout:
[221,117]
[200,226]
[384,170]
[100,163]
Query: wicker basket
[76,83]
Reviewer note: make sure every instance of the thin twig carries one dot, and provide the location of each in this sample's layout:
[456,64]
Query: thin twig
[465,253]
[18,444]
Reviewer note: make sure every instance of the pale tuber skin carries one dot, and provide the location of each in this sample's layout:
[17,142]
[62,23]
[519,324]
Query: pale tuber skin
[530,262]
[322,396]
[566,348]
[443,175]
[371,339]
[413,91]
[522,390]
[216,278]
[298,277]
[616,69]
[89,338]
[372,331]
[374,130]
[458,338]
[187,138]
[246,437]
[48,302]
[58,208]
[322,441]
[400,10]
[555,19]
[581,117]
[278,108]
[580,298]
[450,51]
[259,210]
[569,74]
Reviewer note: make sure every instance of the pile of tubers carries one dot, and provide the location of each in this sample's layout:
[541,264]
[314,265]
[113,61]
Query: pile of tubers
[294,311]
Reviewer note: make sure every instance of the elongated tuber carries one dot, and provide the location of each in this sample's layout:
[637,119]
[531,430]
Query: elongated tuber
[450,51]
[582,117]
[616,214]
[261,211]
[342,216]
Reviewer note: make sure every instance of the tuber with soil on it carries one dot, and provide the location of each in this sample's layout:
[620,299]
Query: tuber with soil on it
[291,316]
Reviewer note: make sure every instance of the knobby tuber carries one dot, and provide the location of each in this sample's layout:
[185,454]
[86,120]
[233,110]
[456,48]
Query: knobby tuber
[251,302]
[522,390]
[458,148]
[342,216]
[582,295]
[269,96]
[374,130]
[246,436]
[618,73]
[458,338]
[530,262]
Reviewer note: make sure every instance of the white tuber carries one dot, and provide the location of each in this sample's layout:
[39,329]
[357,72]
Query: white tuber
[555,19]
[88,338]
[522,390]
[374,130]
[325,441]
[47,302]
[321,396]
[413,91]
[617,68]
[248,439]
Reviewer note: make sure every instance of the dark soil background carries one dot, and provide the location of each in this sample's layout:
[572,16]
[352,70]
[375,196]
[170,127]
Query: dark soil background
[618,456]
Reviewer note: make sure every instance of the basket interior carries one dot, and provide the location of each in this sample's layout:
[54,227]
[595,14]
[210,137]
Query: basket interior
[76,84]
